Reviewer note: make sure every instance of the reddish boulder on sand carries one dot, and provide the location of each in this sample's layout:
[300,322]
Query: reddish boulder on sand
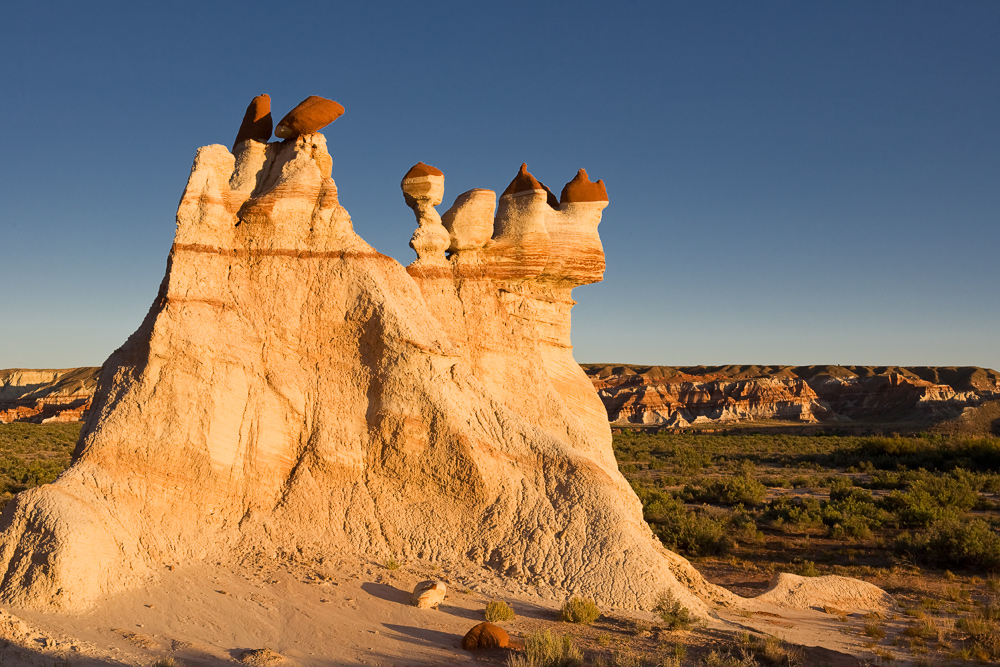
[485,635]
[311,115]
[257,121]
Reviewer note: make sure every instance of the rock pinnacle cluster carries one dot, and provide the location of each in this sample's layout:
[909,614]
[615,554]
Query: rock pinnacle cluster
[292,390]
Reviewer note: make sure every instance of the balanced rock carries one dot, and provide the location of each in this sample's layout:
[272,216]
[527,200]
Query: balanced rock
[257,122]
[311,115]
[485,636]
[428,594]
[581,189]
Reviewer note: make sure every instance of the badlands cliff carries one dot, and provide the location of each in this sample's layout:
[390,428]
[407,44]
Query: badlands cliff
[292,390]
[46,395]
[673,396]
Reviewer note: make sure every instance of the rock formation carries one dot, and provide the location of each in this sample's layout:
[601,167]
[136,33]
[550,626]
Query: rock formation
[291,390]
[683,396]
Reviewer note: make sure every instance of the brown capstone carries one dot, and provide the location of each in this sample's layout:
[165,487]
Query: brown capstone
[257,121]
[485,635]
[525,182]
[311,115]
[581,189]
[420,169]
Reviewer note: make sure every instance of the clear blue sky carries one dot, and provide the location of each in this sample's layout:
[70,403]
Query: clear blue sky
[790,183]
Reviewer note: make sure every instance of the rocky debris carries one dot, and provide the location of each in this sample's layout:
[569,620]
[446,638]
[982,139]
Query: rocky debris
[701,395]
[311,115]
[257,124]
[428,594]
[46,395]
[485,636]
[581,189]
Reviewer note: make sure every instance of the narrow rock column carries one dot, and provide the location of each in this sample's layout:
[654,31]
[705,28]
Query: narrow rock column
[423,189]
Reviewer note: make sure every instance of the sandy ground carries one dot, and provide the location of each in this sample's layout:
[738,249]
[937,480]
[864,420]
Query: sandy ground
[324,613]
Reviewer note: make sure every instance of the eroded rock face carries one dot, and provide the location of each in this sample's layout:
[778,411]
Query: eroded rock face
[45,395]
[293,389]
[682,396]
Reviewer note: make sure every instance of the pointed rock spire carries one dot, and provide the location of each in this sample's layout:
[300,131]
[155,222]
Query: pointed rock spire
[525,182]
[581,189]
[257,121]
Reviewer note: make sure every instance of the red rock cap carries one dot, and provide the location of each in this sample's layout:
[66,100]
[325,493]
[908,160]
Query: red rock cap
[581,189]
[257,122]
[311,115]
[525,182]
[420,170]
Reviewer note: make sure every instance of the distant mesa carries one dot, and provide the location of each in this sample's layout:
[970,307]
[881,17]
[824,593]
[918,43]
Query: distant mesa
[311,115]
[257,121]
[581,189]
[524,182]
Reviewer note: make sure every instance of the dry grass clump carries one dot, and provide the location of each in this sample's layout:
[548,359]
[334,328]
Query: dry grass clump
[391,564]
[672,612]
[768,650]
[984,638]
[579,610]
[165,661]
[261,657]
[924,629]
[498,611]
[544,649]
[874,630]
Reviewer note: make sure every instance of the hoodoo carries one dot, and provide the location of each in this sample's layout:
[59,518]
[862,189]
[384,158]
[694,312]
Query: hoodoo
[291,390]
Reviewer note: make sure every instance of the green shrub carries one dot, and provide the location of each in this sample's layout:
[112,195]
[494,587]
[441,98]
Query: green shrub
[579,610]
[685,531]
[740,489]
[672,612]
[800,512]
[851,512]
[969,543]
[497,611]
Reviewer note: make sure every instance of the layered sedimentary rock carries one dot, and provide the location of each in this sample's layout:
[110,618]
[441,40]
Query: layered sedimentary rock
[293,390]
[45,395]
[682,396]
